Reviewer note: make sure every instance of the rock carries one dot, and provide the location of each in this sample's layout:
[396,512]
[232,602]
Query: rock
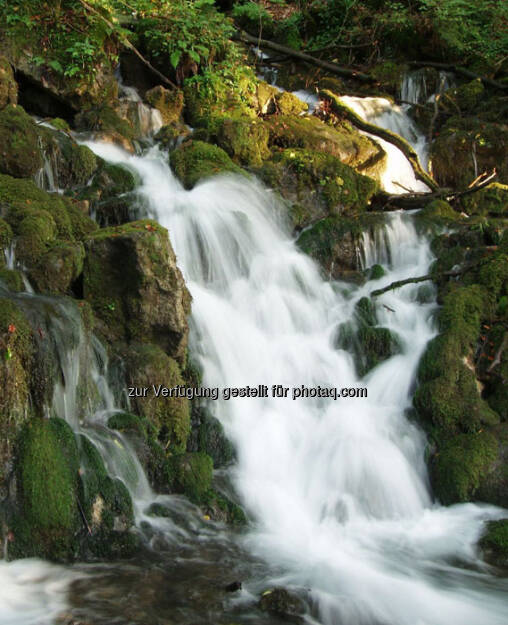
[437,213]
[135,287]
[489,201]
[333,242]
[376,272]
[195,160]
[317,185]
[245,140]
[459,140]
[494,543]
[464,98]
[289,104]
[208,435]
[342,141]
[168,103]
[147,366]
[233,587]
[57,270]
[281,602]
[12,279]
[107,122]
[20,154]
[16,352]
[265,94]
[8,85]
[169,136]
[191,475]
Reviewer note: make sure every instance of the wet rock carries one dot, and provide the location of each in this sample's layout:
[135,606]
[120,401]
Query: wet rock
[281,602]
[20,154]
[168,103]
[196,160]
[208,436]
[8,85]
[107,122]
[265,94]
[135,287]
[289,104]
[233,587]
[494,543]
[317,185]
[147,366]
[56,271]
[191,475]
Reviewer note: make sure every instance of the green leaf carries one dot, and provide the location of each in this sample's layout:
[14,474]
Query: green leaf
[194,56]
[56,66]
[175,58]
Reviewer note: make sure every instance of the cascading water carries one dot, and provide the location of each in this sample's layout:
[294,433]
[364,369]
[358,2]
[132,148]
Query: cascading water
[338,489]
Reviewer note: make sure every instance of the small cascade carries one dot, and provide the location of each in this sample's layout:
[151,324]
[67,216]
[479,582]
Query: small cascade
[398,175]
[418,88]
[149,120]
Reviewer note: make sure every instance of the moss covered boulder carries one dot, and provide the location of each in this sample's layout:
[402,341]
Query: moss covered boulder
[334,243]
[289,104]
[168,103]
[490,201]
[56,270]
[107,125]
[494,543]
[342,141]
[47,518]
[463,98]
[191,474]
[245,140]
[461,143]
[317,185]
[5,235]
[149,367]
[8,85]
[135,287]
[20,155]
[16,357]
[196,160]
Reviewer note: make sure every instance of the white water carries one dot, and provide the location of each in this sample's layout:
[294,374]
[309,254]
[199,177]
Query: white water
[338,489]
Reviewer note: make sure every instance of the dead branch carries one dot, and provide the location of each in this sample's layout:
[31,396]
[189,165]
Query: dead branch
[302,56]
[462,71]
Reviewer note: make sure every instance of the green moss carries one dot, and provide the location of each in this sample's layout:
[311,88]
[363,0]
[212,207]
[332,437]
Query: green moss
[491,200]
[168,103]
[5,234]
[12,279]
[60,124]
[170,416]
[461,465]
[289,104]
[191,475]
[47,473]
[35,233]
[8,84]
[376,345]
[464,98]
[126,422]
[390,74]
[376,272]
[437,212]
[20,155]
[365,310]
[197,160]
[494,542]
[462,311]
[245,140]
[59,267]
[104,119]
[212,440]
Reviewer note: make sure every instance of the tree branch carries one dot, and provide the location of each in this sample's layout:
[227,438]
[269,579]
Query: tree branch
[460,70]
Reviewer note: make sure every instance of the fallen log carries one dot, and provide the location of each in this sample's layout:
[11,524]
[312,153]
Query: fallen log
[342,110]
[307,58]
[462,71]
[430,276]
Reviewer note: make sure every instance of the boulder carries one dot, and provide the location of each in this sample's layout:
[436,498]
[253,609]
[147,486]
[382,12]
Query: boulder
[168,103]
[8,85]
[132,281]
[494,543]
[20,155]
[245,140]
[282,603]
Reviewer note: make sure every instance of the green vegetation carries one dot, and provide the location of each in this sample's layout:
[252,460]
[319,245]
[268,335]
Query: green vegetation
[196,160]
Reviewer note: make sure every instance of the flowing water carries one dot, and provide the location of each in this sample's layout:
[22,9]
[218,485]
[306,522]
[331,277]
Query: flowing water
[336,490]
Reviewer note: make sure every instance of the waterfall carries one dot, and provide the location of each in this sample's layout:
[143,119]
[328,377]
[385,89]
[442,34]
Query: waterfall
[338,489]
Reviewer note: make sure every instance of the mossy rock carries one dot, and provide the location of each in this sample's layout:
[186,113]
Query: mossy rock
[207,435]
[464,98]
[137,292]
[221,509]
[168,103]
[390,75]
[451,152]
[107,506]
[104,119]
[76,164]
[210,97]
[333,242]
[289,104]
[191,474]
[20,155]
[376,272]
[461,465]
[195,160]
[265,95]
[8,84]
[35,233]
[438,213]
[57,270]
[319,184]
[16,357]
[494,543]
[5,234]
[491,200]
[148,366]
[60,124]
[47,482]
[12,279]
[376,345]
[365,311]
[245,140]
[342,141]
